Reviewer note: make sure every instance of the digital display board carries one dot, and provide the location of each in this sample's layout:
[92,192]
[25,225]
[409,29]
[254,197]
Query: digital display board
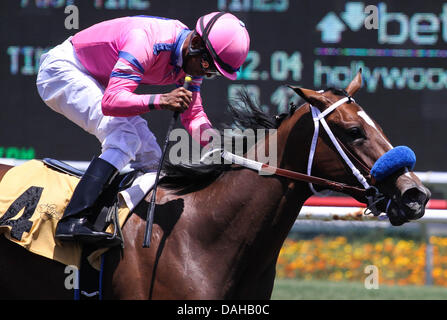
[310,43]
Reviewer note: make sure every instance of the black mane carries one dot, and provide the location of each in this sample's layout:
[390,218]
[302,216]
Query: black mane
[246,114]
[186,178]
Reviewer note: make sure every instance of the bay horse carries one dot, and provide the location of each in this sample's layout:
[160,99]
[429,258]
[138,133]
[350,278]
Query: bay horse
[218,229]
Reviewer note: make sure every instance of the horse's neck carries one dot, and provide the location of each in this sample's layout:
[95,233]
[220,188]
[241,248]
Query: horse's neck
[261,204]
[260,210]
[250,216]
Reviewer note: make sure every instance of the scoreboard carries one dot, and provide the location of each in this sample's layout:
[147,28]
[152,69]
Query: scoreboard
[310,43]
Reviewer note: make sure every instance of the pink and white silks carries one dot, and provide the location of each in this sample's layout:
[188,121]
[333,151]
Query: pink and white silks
[91,78]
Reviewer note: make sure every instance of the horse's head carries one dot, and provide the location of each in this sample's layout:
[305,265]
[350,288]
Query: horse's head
[357,145]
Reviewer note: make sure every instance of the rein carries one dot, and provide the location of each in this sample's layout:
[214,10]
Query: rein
[369,192]
[266,169]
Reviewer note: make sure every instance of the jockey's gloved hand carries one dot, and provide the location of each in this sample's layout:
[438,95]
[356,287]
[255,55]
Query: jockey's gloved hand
[178,100]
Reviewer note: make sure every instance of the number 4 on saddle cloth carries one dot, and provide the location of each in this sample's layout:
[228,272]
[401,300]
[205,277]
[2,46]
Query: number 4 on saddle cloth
[33,197]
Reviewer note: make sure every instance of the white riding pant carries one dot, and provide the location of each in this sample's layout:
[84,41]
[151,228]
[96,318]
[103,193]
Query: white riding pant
[68,88]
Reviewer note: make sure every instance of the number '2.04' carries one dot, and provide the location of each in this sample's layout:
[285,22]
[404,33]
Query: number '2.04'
[282,67]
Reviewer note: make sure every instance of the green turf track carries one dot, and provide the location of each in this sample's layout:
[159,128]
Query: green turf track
[292,289]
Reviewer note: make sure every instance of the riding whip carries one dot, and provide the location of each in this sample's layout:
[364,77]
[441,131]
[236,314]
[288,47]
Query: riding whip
[150,213]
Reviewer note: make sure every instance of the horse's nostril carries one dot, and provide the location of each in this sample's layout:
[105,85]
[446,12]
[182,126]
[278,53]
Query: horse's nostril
[414,200]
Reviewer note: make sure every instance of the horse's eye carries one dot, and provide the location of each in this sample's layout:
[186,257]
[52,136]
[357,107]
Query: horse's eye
[356,133]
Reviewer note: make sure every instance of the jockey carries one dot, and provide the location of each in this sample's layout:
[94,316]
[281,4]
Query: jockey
[91,78]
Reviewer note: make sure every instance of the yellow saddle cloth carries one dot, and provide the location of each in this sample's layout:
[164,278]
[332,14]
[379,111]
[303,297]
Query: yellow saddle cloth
[33,198]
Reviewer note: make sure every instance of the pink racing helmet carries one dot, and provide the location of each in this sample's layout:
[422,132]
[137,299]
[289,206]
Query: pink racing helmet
[226,39]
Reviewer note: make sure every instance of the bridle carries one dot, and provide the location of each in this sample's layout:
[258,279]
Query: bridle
[371,193]
[319,118]
[368,191]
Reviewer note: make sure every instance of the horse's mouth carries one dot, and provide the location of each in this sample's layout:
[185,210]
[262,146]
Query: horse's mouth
[407,206]
[405,197]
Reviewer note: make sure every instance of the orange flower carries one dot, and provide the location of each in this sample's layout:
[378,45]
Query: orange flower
[399,261]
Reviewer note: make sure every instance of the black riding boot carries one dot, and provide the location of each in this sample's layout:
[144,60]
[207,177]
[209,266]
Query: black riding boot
[74,225]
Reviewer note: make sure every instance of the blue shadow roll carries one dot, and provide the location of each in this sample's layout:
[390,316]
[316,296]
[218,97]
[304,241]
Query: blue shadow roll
[395,159]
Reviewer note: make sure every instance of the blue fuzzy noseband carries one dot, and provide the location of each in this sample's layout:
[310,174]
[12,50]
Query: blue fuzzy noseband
[392,161]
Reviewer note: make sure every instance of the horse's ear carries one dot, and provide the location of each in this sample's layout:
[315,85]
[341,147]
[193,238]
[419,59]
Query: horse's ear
[313,97]
[355,84]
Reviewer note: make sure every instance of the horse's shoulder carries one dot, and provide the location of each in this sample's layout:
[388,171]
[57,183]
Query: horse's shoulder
[164,195]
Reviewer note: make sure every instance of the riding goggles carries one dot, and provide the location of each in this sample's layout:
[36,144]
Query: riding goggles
[207,63]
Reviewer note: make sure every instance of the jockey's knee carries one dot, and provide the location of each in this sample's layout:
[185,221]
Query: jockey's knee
[121,145]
